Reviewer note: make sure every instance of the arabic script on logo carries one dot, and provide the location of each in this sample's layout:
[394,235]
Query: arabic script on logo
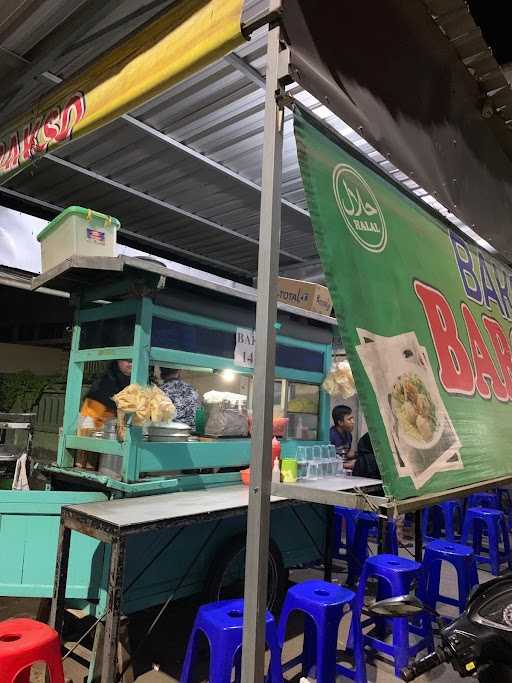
[359,207]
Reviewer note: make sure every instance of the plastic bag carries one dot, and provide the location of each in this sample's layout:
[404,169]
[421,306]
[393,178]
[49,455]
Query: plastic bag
[339,381]
[145,404]
[161,407]
[226,419]
[20,481]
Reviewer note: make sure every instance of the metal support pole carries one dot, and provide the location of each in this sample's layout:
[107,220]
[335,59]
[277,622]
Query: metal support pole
[61,576]
[329,514]
[115,589]
[258,520]
[382,535]
[418,537]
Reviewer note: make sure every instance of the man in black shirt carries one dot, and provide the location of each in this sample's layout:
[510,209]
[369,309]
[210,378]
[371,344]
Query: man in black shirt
[364,463]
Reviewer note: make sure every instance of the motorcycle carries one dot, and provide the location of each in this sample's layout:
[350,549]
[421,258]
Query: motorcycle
[477,644]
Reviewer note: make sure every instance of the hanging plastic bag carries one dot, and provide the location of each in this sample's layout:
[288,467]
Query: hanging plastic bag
[144,404]
[339,381]
[20,480]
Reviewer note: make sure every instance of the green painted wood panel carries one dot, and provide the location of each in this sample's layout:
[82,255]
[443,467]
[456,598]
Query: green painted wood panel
[119,309]
[29,525]
[158,457]
[89,443]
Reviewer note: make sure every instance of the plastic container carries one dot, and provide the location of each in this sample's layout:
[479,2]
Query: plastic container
[110,465]
[86,426]
[289,470]
[109,430]
[200,420]
[226,417]
[276,449]
[279,426]
[77,232]
[276,472]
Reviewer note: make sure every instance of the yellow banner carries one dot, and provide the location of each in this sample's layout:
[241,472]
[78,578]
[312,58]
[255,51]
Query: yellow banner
[190,36]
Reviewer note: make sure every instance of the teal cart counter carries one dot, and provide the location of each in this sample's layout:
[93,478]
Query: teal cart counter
[158,317]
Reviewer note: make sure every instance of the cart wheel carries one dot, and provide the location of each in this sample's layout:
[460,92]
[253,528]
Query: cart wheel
[226,576]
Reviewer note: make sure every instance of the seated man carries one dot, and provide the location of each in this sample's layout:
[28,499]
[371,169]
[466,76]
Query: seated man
[340,434]
[365,464]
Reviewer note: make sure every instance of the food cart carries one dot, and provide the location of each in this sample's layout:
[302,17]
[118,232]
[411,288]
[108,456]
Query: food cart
[154,318]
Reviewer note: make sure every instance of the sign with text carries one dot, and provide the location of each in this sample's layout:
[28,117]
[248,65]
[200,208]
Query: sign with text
[177,44]
[426,319]
[245,346]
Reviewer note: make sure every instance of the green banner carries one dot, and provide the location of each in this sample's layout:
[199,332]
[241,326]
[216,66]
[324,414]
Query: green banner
[425,318]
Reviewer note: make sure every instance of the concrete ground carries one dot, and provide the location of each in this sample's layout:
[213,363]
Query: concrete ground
[161,657]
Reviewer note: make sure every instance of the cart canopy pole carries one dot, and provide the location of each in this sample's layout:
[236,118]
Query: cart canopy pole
[258,520]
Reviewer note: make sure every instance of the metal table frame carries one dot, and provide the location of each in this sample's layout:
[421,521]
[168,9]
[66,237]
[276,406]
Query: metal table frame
[104,522]
[387,508]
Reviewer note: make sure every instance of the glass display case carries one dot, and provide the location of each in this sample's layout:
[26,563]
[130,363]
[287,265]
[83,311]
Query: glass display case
[296,409]
[302,408]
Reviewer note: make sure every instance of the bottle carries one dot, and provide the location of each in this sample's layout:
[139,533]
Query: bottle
[276,449]
[86,426]
[301,432]
[276,472]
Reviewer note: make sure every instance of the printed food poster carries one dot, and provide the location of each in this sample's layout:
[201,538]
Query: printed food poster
[425,317]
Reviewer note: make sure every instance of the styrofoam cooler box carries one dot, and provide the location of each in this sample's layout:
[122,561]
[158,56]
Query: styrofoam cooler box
[77,232]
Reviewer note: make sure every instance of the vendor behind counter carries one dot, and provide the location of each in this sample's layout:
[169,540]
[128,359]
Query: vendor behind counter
[98,406]
[98,403]
[185,398]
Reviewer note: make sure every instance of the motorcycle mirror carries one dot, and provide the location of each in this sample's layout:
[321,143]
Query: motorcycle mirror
[401,606]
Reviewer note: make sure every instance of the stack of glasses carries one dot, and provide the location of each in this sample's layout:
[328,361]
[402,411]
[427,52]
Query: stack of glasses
[318,462]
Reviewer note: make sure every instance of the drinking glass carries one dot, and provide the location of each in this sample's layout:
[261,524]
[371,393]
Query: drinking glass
[302,470]
[340,472]
[312,472]
[326,461]
[302,462]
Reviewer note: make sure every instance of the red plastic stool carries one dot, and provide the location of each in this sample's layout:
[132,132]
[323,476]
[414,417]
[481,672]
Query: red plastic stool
[24,642]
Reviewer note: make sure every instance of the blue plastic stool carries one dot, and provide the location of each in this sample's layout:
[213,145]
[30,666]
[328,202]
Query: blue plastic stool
[442,516]
[396,576]
[366,524]
[487,499]
[360,527]
[480,521]
[462,558]
[323,605]
[222,624]
[343,522]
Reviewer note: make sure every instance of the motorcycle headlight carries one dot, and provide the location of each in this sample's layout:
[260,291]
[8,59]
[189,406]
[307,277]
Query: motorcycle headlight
[496,612]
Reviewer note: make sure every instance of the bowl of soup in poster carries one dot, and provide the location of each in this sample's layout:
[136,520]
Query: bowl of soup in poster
[418,419]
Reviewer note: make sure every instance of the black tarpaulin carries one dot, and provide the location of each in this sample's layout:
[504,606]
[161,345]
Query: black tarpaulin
[388,71]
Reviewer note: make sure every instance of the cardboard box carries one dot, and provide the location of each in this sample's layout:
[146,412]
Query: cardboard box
[306,295]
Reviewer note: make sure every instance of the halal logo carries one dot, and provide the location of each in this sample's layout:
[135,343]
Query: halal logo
[359,208]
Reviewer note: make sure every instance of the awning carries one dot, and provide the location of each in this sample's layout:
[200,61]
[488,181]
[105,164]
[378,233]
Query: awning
[191,35]
[404,76]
